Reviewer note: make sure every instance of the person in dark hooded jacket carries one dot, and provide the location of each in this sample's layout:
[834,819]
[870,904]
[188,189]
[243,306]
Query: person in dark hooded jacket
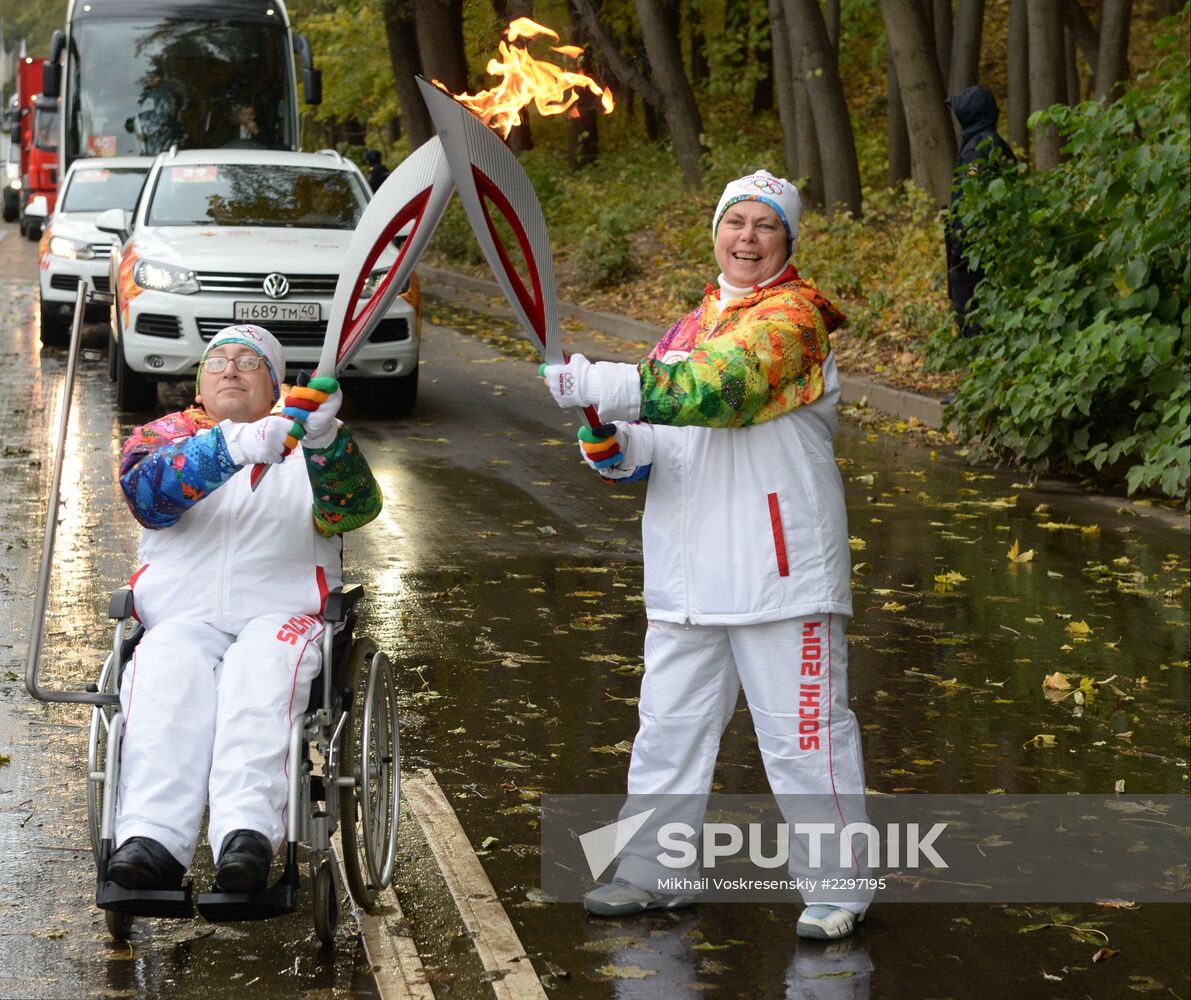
[976,111]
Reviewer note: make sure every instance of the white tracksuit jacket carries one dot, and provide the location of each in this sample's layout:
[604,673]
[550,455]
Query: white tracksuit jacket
[226,561]
[748,524]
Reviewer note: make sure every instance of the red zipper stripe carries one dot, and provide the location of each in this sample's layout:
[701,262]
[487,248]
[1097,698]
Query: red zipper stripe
[779,536]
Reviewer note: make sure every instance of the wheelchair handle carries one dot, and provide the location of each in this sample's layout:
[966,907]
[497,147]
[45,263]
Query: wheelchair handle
[41,595]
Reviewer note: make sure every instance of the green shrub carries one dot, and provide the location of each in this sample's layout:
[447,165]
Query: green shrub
[605,254]
[1083,358]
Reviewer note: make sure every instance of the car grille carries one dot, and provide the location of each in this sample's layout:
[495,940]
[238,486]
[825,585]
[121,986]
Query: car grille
[69,282]
[297,334]
[158,325]
[253,284]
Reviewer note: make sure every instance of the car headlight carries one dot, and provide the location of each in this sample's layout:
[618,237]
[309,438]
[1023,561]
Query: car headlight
[164,278]
[61,246]
[373,283]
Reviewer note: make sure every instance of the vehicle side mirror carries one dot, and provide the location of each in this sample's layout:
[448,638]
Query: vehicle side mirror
[51,70]
[114,221]
[312,86]
[37,209]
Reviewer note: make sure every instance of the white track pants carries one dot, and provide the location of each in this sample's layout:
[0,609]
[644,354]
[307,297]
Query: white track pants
[207,716]
[794,674]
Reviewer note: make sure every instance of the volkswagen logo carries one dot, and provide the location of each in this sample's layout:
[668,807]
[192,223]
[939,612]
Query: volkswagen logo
[276,286]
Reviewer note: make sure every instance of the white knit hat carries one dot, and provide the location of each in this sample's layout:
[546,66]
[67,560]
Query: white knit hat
[776,192]
[261,341]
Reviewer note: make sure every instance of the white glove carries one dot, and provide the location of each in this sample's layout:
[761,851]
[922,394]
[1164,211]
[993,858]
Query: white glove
[613,388]
[260,442]
[322,424]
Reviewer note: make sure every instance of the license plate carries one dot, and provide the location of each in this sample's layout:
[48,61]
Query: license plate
[266,312]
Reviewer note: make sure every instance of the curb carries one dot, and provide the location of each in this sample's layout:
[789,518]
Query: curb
[896,402]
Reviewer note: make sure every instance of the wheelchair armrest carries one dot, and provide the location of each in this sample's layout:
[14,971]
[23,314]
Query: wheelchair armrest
[340,601]
[121,605]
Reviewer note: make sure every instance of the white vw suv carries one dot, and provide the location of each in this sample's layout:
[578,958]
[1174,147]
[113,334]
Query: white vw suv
[71,248]
[243,235]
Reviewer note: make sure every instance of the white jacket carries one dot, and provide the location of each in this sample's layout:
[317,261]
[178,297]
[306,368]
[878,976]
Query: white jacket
[227,561]
[748,524]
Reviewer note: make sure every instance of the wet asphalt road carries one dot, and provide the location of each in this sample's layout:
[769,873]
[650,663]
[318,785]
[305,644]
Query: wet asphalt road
[504,581]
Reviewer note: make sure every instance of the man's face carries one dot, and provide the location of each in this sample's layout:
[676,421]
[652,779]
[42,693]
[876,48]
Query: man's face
[750,243]
[235,395]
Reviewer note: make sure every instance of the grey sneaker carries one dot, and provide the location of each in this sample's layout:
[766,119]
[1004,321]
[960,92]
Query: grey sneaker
[826,922]
[620,898]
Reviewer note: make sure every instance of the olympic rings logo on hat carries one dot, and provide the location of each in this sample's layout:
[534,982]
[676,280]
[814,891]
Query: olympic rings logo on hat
[250,331]
[768,185]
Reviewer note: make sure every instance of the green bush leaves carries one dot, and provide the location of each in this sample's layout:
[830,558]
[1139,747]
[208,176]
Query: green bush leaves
[1083,359]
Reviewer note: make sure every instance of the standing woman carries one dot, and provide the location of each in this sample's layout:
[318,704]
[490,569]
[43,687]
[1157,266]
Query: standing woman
[747,572]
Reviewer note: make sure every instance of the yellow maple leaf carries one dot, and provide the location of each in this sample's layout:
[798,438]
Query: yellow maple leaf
[1079,628]
[1017,556]
[892,606]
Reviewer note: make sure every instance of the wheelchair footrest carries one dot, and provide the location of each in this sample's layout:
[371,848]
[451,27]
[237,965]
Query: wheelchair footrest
[145,902]
[225,907]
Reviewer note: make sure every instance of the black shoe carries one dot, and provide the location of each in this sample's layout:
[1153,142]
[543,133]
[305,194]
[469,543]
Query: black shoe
[243,862]
[143,863]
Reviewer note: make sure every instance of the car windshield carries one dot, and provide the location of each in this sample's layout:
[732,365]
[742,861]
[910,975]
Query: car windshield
[245,194]
[45,126]
[98,190]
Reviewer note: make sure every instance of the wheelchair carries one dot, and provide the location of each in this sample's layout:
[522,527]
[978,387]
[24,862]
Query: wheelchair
[348,745]
[347,742]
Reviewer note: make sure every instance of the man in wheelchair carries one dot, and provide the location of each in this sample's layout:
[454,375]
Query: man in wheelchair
[230,590]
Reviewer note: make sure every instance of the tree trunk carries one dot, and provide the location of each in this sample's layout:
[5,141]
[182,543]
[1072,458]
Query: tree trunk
[1071,70]
[698,45]
[1112,66]
[1085,32]
[783,81]
[763,91]
[932,141]
[965,46]
[825,94]
[678,102]
[403,55]
[1047,83]
[831,21]
[942,25]
[898,136]
[1019,75]
[583,142]
[440,42]
[623,68]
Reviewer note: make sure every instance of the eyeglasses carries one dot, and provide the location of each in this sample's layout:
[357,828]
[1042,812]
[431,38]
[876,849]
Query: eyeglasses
[244,363]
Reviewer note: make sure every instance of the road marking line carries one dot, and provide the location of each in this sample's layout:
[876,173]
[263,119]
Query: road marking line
[497,944]
[392,955]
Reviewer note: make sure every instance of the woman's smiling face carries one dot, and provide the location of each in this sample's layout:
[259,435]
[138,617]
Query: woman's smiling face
[750,243]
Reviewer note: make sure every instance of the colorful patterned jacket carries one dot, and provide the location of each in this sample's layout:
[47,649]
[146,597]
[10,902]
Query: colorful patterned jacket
[759,358]
[215,550]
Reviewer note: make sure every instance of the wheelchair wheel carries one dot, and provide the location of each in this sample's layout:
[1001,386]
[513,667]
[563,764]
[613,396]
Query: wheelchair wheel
[370,754]
[326,903]
[97,755]
[119,924]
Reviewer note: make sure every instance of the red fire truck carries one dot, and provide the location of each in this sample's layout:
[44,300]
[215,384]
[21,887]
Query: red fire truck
[34,127]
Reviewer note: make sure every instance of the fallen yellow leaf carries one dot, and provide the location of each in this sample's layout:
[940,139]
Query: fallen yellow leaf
[1017,556]
[1079,628]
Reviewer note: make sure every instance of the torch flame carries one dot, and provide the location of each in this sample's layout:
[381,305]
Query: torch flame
[552,89]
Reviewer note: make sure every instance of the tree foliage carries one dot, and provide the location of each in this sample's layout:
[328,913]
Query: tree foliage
[1083,359]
